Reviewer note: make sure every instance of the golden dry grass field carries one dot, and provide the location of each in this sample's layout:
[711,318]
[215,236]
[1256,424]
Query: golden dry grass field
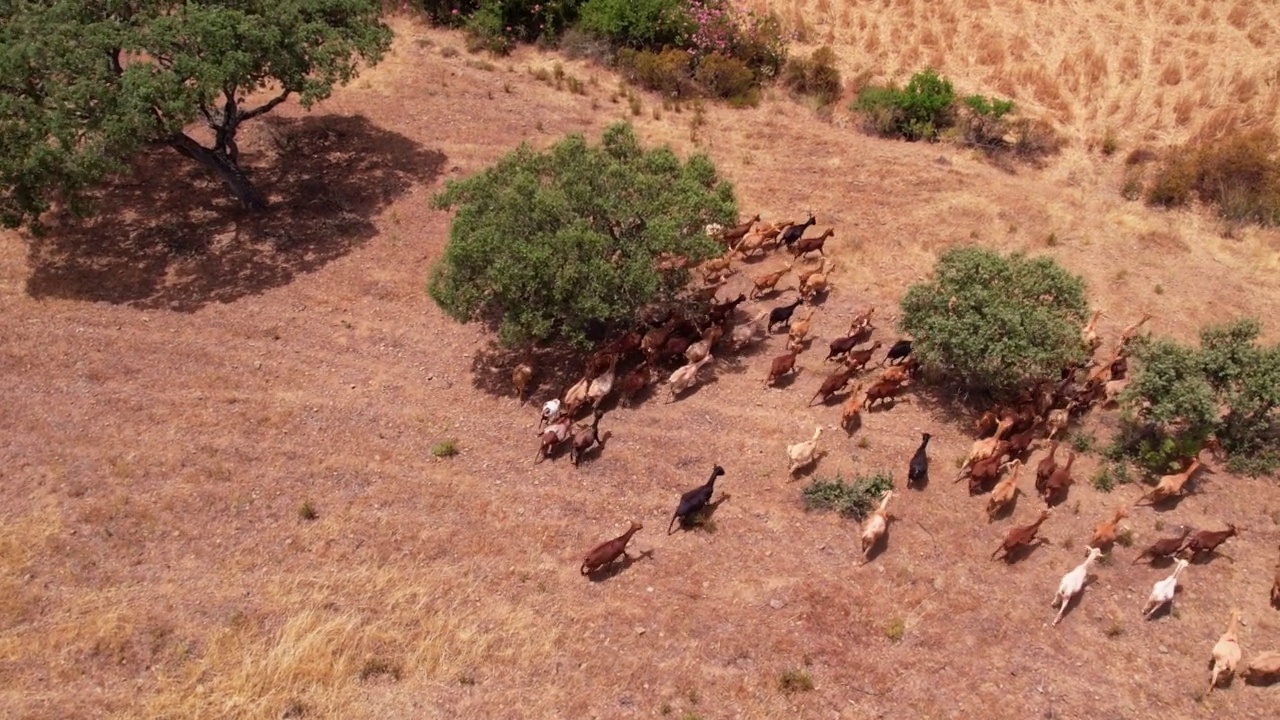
[181,388]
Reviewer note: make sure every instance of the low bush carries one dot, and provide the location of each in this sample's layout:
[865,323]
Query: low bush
[851,500]
[1239,175]
[917,112]
[727,78]
[984,121]
[816,76]
[639,24]
[795,680]
[669,72]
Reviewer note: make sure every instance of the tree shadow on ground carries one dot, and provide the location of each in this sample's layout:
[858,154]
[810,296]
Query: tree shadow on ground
[169,235]
[555,369]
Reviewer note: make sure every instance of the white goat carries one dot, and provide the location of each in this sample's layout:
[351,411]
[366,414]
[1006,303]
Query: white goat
[550,411]
[802,454]
[1073,582]
[685,377]
[1162,592]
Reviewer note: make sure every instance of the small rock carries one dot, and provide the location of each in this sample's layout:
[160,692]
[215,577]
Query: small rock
[640,631]
[1163,650]
[649,589]
[777,604]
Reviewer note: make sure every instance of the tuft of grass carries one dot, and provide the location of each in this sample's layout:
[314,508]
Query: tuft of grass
[1159,289]
[448,51]
[307,511]
[863,443]
[1109,142]
[1083,442]
[851,500]
[467,679]
[1124,537]
[795,680]
[1052,240]
[375,666]
[478,64]
[507,88]
[634,103]
[665,709]
[575,85]
[1115,629]
[1159,525]
[895,630]
[445,448]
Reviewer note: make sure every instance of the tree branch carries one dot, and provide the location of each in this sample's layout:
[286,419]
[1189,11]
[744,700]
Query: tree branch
[267,107]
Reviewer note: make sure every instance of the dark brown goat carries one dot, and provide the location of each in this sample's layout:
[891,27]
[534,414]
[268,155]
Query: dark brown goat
[1206,541]
[609,551]
[834,383]
[858,359]
[808,245]
[1046,468]
[1055,490]
[882,390]
[1164,547]
[984,473]
[843,345]
[781,365]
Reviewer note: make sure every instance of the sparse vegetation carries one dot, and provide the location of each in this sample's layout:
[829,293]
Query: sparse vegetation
[1083,441]
[592,220]
[444,449]
[851,500]
[379,666]
[795,680]
[895,630]
[307,511]
[1238,174]
[917,112]
[993,323]
[817,76]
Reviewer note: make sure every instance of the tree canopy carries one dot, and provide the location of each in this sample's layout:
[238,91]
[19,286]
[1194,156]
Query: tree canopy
[1228,387]
[546,245]
[993,322]
[85,85]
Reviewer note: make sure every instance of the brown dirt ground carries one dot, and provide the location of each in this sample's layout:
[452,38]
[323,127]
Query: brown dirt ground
[177,385]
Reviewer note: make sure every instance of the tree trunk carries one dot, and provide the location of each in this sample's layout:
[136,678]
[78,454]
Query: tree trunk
[225,166]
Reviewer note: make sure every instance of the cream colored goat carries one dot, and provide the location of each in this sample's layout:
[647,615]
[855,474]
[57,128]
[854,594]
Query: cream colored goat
[1226,652]
[803,454]
[1073,582]
[686,376]
[1163,591]
[874,527]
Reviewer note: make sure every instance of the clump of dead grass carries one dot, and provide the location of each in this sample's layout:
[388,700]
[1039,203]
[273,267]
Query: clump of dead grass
[1238,174]
[795,680]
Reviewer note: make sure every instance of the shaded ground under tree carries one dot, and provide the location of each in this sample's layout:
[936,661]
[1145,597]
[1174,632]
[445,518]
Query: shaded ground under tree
[170,236]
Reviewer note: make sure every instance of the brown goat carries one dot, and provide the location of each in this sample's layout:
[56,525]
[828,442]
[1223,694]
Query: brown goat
[609,551]
[986,425]
[1020,537]
[1046,468]
[862,319]
[633,382]
[1164,547]
[765,283]
[808,245]
[984,473]
[1055,491]
[852,408]
[520,378]
[1275,588]
[1170,485]
[738,231]
[782,365]
[1104,533]
[833,384]
[858,359]
[1207,541]
[882,390]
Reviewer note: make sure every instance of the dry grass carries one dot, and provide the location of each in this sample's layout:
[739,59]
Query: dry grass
[153,562]
[1088,65]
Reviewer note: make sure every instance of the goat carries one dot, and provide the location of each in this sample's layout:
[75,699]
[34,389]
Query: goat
[1226,652]
[1020,443]
[802,454]
[1127,335]
[852,408]
[1275,589]
[1047,467]
[795,232]
[798,329]
[749,332]
[1207,541]
[1073,582]
[781,315]
[1055,491]
[858,359]
[702,348]
[782,365]
[737,231]
[1020,536]
[696,499]
[603,384]
[918,468]
[1057,422]
[1263,669]
[1112,389]
[765,283]
[576,396]
[720,311]
[833,384]
[1164,547]
[607,552]
[520,378]
[986,425]
[808,245]
[1104,533]
[550,411]
[843,345]
[874,527]
[862,320]
[898,352]
[813,285]
[587,437]
[1163,591]
[1170,485]
[633,382]
[882,390]
[1004,493]
[552,435]
[983,449]
[985,472]
[685,377]
[1090,332]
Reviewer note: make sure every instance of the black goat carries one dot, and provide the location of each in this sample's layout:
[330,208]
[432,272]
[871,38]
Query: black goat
[899,351]
[795,232]
[782,315]
[693,501]
[918,468]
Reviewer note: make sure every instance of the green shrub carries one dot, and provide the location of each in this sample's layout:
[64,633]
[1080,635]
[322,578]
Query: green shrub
[547,244]
[444,449]
[995,323]
[668,72]
[851,500]
[984,121]
[725,77]
[1228,388]
[918,112]
[639,24]
[816,75]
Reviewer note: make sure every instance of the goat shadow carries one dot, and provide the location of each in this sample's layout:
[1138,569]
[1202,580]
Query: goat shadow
[703,519]
[691,391]
[785,381]
[616,568]
[166,234]
[921,484]
[1205,558]
[1007,510]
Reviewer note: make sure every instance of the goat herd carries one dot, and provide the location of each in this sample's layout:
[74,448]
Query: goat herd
[686,338]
